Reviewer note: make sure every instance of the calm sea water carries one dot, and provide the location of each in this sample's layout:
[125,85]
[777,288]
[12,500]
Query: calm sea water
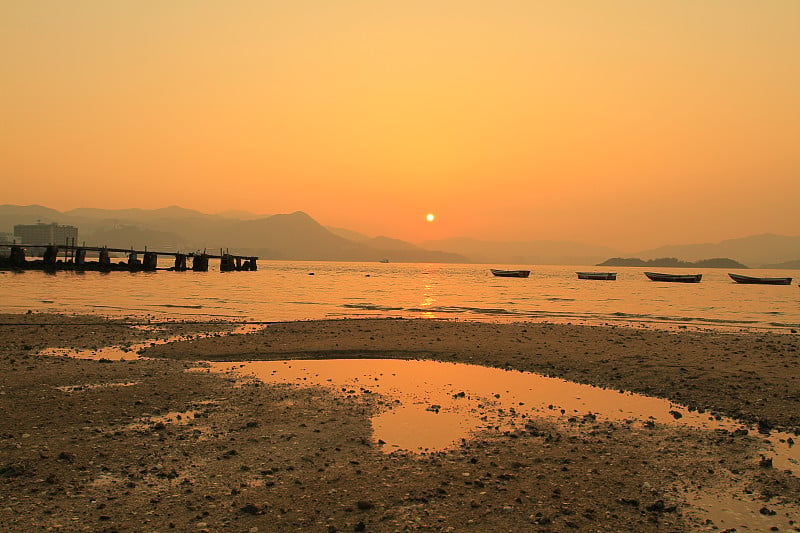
[314,290]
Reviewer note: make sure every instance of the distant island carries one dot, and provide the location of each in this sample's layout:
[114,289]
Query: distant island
[721,262]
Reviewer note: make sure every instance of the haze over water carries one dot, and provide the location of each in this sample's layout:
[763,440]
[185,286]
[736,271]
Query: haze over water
[281,291]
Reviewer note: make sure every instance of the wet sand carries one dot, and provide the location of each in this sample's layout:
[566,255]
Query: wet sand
[146,446]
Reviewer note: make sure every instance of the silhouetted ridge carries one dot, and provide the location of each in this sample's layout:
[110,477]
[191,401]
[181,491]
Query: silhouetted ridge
[672,262]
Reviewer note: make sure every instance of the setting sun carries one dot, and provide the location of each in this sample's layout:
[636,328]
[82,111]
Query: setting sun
[430,217]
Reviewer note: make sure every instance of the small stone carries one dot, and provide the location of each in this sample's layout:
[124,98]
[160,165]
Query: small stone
[250,509]
[660,507]
[64,456]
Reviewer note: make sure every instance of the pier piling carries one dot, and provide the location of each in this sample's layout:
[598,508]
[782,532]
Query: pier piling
[17,256]
[150,261]
[180,263]
[200,263]
[104,260]
[133,261]
[226,263]
[50,256]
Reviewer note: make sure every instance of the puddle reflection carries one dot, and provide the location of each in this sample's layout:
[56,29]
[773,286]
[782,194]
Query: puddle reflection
[433,405]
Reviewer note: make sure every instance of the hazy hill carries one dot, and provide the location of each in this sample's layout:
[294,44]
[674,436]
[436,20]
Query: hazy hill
[136,214]
[754,251]
[26,214]
[136,237]
[90,220]
[238,214]
[386,243]
[298,236]
[524,253]
[788,265]
[292,236]
[348,234]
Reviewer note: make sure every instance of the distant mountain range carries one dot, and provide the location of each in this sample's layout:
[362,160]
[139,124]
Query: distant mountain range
[286,236]
[298,236]
[767,250]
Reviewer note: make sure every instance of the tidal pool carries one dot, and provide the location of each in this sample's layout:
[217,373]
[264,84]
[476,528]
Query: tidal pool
[431,406]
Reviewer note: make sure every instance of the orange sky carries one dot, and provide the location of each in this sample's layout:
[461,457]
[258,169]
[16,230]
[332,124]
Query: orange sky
[626,123]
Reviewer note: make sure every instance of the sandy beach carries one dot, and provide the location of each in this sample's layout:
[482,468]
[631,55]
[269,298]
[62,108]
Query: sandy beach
[144,445]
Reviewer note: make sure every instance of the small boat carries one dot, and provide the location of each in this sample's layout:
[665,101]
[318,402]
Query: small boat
[511,273]
[738,278]
[679,278]
[610,276]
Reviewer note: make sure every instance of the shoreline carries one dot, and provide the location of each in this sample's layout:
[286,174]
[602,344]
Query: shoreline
[143,445]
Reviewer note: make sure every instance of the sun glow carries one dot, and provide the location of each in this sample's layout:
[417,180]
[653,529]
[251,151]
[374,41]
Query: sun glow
[430,217]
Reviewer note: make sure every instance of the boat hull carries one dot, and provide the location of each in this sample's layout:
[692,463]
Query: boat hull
[510,273]
[675,278]
[750,280]
[606,276]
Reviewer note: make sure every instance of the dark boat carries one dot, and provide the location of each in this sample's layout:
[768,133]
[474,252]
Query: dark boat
[738,278]
[609,276]
[511,273]
[679,278]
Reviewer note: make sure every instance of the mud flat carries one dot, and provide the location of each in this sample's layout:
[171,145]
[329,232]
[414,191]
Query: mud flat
[144,445]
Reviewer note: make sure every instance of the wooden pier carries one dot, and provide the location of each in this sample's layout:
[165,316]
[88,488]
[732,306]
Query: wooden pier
[73,257]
